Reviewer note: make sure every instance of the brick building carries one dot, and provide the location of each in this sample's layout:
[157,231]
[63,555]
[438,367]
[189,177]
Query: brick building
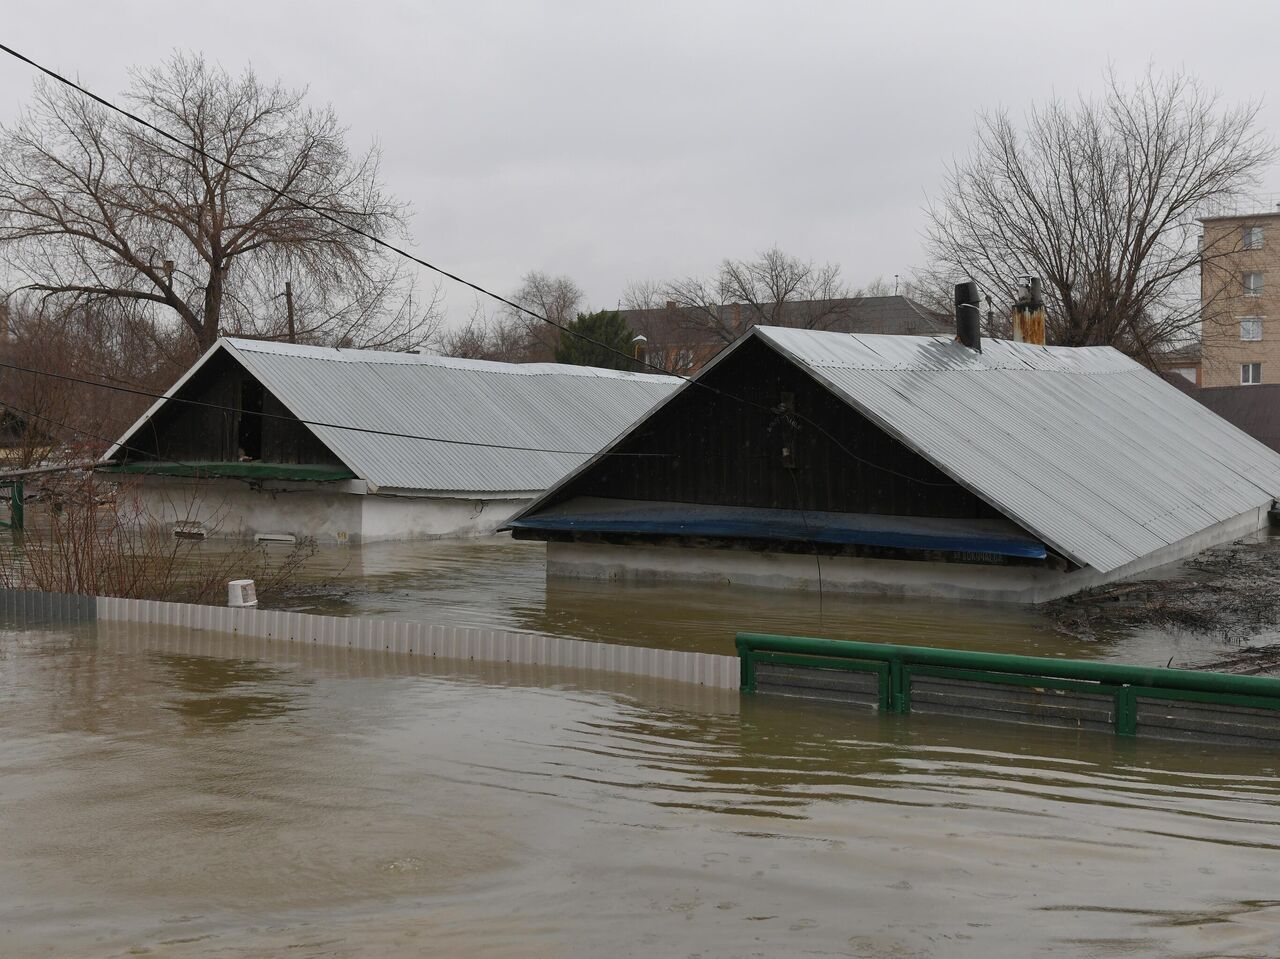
[684,339]
[1240,300]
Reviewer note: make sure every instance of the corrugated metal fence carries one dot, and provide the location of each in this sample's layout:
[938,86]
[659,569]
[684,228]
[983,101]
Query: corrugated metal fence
[410,638]
[32,607]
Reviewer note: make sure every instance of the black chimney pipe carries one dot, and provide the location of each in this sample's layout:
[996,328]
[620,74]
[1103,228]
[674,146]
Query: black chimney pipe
[968,316]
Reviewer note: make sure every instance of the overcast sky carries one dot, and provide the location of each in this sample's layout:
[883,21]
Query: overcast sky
[617,141]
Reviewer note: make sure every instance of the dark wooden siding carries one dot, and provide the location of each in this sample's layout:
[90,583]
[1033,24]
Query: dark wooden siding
[714,449]
[184,432]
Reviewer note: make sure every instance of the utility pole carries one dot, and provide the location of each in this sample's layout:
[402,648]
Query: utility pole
[288,303]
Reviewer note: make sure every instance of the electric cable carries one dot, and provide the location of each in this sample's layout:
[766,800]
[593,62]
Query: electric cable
[378,241]
[292,419]
[62,424]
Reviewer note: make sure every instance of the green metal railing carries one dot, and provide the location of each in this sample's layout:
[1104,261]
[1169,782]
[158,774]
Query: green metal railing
[896,669]
[17,516]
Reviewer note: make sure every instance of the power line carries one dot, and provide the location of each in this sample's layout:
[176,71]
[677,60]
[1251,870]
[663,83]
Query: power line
[378,241]
[293,419]
[323,214]
[428,439]
[63,424]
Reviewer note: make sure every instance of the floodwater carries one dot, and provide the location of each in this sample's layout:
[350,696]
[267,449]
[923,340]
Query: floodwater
[171,794]
[501,583]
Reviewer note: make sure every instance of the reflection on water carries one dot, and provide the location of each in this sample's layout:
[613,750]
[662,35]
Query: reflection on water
[500,583]
[214,691]
[385,806]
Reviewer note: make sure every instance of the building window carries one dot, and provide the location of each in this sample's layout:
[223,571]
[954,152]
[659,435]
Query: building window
[1253,284]
[1250,327]
[1253,238]
[1186,372]
[1250,373]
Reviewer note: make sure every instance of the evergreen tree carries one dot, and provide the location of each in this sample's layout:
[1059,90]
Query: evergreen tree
[606,327]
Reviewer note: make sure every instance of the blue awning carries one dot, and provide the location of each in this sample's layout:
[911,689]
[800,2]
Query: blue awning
[591,515]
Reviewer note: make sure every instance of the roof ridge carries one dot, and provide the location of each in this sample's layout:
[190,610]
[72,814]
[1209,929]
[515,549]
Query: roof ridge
[333,354]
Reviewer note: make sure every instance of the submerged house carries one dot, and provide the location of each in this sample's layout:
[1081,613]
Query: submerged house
[281,441]
[908,465]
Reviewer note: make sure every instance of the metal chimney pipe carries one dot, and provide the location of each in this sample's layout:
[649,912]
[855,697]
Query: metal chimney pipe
[1028,313]
[968,315]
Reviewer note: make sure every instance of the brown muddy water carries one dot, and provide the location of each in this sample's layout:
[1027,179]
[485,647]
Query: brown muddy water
[171,794]
[502,584]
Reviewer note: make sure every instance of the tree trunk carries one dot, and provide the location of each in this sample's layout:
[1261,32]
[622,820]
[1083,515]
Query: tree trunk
[208,333]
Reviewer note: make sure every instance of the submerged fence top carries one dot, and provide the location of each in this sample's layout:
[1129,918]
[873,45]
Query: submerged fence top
[1129,700]
[1116,673]
[410,638]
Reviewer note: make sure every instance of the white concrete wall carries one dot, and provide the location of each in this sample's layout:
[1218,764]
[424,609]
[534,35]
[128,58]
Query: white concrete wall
[330,512]
[394,517]
[796,571]
[235,509]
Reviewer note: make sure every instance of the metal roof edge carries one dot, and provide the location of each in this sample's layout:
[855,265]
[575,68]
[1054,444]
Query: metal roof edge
[486,495]
[590,461]
[336,354]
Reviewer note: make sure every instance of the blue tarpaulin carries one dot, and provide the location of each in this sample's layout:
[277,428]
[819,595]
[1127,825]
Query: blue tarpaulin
[589,515]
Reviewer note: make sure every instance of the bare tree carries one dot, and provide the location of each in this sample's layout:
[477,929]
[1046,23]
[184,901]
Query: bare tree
[774,289]
[1100,199]
[94,207]
[500,337]
[51,359]
[643,295]
[555,297]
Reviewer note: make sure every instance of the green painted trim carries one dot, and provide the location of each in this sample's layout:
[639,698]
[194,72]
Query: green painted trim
[1014,679]
[1126,712]
[17,509]
[314,472]
[882,670]
[1197,696]
[1127,686]
[899,686]
[1117,674]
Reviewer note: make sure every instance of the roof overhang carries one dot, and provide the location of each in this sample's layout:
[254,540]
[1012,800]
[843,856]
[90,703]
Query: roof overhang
[253,470]
[686,521]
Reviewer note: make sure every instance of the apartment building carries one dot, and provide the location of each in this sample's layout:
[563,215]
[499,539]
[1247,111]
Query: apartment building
[1240,299]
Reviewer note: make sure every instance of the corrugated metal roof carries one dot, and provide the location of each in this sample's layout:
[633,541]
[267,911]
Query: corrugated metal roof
[1084,447]
[545,406]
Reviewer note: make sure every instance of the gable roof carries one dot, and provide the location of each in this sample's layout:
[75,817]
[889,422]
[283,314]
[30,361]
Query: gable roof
[544,406]
[1083,447]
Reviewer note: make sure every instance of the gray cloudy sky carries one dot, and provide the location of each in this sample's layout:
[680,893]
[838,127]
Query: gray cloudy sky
[617,141]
